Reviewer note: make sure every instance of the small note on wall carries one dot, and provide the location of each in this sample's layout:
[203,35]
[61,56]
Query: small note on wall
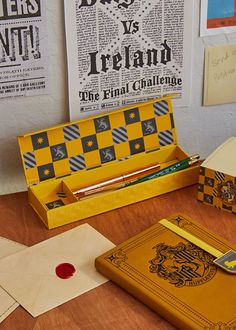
[220,75]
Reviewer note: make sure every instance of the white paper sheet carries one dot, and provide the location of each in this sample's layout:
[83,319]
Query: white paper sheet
[7,303]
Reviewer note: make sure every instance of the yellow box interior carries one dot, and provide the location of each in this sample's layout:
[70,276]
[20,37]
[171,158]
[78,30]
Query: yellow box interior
[48,191]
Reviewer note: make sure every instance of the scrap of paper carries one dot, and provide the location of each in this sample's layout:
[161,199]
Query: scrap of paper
[217,17]
[54,271]
[220,75]
[24,68]
[7,303]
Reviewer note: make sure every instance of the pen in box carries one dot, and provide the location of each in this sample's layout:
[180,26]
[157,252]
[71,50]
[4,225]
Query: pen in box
[115,182]
[185,163]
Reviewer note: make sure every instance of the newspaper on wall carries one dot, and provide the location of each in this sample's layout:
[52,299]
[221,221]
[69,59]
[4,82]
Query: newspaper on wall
[23,48]
[126,51]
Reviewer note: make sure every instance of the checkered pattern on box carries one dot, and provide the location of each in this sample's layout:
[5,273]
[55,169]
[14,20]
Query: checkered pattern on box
[93,142]
[217,189]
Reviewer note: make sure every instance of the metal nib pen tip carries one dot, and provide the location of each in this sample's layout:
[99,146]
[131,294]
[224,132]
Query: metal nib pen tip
[193,161]
[195,157]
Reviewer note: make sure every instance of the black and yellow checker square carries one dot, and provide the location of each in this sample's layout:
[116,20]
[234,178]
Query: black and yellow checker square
[58,152]
[74,148]
[207,198]
[166,138]
[71,132]
[134,131]
[149,126]
[202,171]
[200,187]
[122,150]
[32,175]
[89,143]
[62,167]
[40,140]
[107,154]
[117,119]
[151,142]
[55,136]
[77,163]
[146,112]
[86,128]
[43,156]
[209,173]
[46,172]
[92,159]
[164,123]
[209,181]
[227,207]
[27,146]
[104,139]
[119,135]
[102,124]
[201,179]
[208,190]
[200,195]
[131,116]
[136,146]
[161,108]
[29,160]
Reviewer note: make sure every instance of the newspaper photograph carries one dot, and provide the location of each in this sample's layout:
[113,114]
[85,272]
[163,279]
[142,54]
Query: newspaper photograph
[217,17]
[23,48]
[121,52]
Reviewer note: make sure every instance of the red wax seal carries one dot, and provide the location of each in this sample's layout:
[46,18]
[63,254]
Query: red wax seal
[65,271]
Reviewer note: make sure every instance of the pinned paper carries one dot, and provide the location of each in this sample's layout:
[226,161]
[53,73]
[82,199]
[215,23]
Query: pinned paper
[7,303]
[54,271]
[220,75]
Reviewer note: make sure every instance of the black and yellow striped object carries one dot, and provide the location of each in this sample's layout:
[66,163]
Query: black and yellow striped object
[67,149]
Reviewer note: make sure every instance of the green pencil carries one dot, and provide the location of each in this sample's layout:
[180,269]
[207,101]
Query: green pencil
[185,163]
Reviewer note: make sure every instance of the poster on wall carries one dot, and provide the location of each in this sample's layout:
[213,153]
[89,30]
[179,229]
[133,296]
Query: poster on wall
[217,17]
[23,48]
[122,52]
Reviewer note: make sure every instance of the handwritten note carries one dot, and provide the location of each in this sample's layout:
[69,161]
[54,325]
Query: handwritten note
[220,75]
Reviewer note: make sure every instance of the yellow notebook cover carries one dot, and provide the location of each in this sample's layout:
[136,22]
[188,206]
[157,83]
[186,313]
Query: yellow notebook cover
[174,277]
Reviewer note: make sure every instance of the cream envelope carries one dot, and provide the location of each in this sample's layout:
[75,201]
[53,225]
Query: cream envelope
[30,275]
[7,303]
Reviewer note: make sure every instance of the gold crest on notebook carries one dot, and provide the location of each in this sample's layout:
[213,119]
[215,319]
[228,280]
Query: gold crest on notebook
[183,264]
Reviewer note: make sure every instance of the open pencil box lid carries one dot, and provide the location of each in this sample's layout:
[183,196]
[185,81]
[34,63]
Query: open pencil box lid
[66,149]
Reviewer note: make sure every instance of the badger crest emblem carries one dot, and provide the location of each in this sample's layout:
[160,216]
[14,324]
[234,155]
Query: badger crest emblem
[149,128]
[59,153]
[108,155]
[227,192]
[102,124]
[183,264]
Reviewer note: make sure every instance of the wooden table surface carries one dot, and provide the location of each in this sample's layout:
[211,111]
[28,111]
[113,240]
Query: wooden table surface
[107,307]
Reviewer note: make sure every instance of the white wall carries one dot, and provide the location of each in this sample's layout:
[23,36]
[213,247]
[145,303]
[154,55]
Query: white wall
[200,129]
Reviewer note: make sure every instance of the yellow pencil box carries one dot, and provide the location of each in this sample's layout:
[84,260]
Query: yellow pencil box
[217,179]
[61,159]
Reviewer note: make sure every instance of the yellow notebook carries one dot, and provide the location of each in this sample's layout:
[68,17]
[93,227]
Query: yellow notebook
[174,277]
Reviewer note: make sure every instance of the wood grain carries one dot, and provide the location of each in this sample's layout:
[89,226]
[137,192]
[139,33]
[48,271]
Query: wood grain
[108,306]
